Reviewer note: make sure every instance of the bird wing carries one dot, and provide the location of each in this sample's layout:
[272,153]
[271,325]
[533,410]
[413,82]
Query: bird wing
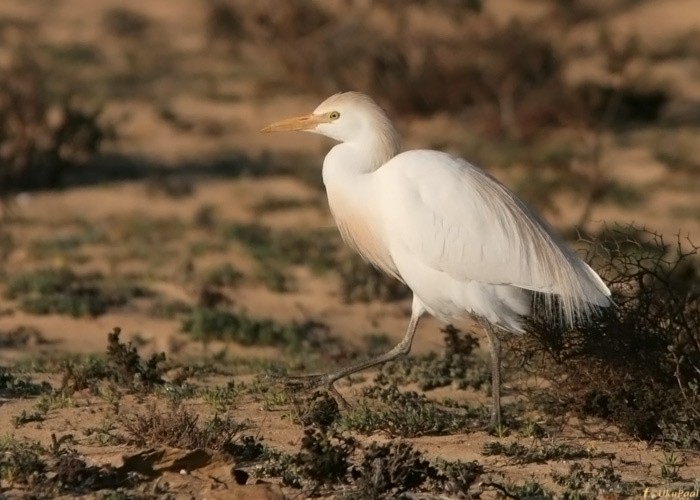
[459,220]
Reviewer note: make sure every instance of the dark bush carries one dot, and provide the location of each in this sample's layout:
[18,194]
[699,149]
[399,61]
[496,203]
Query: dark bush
[41,136]
[636,365]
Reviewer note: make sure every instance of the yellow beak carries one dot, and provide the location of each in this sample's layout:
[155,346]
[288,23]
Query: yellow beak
[299,123]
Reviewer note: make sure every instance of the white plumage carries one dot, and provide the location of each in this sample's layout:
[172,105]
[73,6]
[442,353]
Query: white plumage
[464,243]
[464,227]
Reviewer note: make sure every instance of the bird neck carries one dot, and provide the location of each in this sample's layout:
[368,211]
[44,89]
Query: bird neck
[361,156]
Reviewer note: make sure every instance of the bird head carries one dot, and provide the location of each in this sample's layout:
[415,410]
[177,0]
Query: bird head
[350,118]
[342,117]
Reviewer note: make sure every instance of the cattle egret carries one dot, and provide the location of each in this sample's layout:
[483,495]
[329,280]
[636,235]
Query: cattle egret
[464,244]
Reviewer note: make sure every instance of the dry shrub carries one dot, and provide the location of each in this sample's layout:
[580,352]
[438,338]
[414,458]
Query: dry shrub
[40,137]
[638,364]
[419,72]
[426,57]
[264,21]
[516,70]
[180,427]
[125,23]
[337,465]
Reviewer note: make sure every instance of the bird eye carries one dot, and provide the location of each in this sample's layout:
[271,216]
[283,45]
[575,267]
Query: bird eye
[334,115]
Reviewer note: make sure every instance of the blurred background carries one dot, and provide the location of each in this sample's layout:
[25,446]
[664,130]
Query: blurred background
[588,109]
[132,168]
[130,149]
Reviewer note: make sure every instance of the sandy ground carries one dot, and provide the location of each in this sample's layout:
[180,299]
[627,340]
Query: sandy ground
[209,104]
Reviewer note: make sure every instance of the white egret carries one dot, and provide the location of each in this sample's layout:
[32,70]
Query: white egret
[463,242]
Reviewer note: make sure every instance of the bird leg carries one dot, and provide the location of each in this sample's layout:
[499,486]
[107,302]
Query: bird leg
[327,379]
[495,374]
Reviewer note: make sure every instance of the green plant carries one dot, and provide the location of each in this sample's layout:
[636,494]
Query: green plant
[20,460]
[24,418]
[19,387]
[53,401]
[519,453]
[104,434]
[177,392]
[170,309]
[584,483]
[532,429]
[222,399]
[329,462]
[315,249]
[275,278]
[529,489]
[122,365]
[671,464]
[391,469]
[407,414]
[501,431]
[456,365]
[61,291]
[209,324]
[128,367]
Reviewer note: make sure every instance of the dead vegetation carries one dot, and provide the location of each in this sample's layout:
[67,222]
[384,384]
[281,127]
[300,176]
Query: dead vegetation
[515,79]
[42,136]
[329,462]
[636,365]
[179,427]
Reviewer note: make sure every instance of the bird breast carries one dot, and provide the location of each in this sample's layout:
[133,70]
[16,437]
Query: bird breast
[361,230]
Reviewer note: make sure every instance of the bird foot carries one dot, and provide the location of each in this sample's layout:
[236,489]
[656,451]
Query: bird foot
[303,382]
[310,382]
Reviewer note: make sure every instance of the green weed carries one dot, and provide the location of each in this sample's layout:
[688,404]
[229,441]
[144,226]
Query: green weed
[528,489]
[61,291]
[20,460]
[319,410]
[222,398]
[275,278]
[456,365]
[54,401]
[521,454]
[671,464]
[329,462]
[104,435]
[13,386]
[582,484]
[407,415]
[207,324]
[122,365]
[25,418]
[315,249]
